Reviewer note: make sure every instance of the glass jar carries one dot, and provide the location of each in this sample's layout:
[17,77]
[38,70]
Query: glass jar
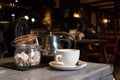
[27,52]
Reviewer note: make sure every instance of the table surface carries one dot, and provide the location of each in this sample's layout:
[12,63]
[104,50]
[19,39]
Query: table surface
[93,71]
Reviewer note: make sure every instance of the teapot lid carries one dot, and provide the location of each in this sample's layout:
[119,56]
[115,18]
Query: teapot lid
[25,39]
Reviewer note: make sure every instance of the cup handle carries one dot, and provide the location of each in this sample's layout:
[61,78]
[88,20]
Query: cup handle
[58,59]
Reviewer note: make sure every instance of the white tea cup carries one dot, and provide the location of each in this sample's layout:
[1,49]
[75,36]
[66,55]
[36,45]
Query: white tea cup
[67,57]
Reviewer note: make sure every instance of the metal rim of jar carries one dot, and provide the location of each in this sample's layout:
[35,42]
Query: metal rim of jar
[24,39]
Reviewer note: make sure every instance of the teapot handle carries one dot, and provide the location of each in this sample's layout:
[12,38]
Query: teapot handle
[69,44]
[68,40]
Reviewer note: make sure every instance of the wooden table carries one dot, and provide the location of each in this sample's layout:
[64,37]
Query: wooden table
[93,71]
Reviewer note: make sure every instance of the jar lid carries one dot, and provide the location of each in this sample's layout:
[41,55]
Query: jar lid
[24,39]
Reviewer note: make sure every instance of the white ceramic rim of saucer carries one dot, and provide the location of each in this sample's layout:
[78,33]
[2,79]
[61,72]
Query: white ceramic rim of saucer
[53,63]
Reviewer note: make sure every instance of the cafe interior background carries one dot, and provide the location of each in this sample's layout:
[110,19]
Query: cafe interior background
[51,15]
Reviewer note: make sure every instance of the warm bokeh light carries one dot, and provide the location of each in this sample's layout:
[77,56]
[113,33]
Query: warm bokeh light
[12,5]
[105,21]
[26,17]
[16,0]
[47,19]
[0,6]
[76,15]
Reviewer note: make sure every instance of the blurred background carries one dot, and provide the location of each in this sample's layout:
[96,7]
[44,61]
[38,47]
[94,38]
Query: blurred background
[57,15]
[104,14]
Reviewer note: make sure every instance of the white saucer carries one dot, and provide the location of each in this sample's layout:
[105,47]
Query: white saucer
[62,67]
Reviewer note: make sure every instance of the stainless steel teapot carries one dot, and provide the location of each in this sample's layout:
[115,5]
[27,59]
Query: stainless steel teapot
[54,41]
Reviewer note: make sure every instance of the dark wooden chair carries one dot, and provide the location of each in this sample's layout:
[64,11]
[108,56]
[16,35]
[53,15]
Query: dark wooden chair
[105,52]
[111,47]
[95,52]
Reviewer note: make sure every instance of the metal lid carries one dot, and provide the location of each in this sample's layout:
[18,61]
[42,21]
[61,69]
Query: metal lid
[25,39]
